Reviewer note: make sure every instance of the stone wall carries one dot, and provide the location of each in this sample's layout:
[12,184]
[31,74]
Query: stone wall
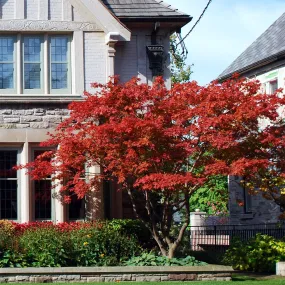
[115,274]
[34,116]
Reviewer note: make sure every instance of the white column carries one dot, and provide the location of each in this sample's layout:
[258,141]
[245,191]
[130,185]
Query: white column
[59,207]
[95,198]
[111,40]
[19,66]
[46,66]
[25,195]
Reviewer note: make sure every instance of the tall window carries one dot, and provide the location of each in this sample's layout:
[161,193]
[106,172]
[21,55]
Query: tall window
[8,185]
[76,208]
[42,196]
[59,62]
[32,62]
[7,62]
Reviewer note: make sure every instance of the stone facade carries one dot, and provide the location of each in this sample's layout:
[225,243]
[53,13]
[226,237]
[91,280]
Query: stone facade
[116,274]
[33,116]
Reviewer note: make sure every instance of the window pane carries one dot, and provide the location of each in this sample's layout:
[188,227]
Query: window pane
[8,159]
[6,62]
[8,198]
[43,199]
[6,75]
[59,62]
[76,208]
[59,75]
[32,62]
[32,75]
[273,86]
[8,184]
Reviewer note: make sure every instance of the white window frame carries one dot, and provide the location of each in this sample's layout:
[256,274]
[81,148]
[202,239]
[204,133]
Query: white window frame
[42,65]
[19,62]
[12,90]
[69,83]
[33,206]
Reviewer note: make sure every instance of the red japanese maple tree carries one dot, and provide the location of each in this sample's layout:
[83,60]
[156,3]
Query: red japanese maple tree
[164,144]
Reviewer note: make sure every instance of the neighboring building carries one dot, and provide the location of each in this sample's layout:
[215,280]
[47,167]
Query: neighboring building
[50,52]
[263,60]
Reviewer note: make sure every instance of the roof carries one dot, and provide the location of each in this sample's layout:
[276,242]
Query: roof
[134,9]
[266,48]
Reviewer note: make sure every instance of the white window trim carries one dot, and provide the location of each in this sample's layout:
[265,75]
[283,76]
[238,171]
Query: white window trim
[32,191]
[12,90]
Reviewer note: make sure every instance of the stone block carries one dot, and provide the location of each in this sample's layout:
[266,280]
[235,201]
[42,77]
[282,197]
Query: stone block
[113,279]
[28,119]
[6,112]
[29,112]
[40,125]
[95,279]
[127,277]
[182,277]
[43,279]
[11,279]
[23,278]
[19,112]
[22,126]
[52,119]
[3,280]
[11,119]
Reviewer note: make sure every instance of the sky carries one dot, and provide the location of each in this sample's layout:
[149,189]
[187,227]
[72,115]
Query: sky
[226,30]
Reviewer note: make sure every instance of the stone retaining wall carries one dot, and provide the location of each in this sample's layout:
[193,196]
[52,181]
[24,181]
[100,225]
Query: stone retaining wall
[113,274]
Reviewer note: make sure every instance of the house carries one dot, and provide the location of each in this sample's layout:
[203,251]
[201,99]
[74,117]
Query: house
[50,52]
[264,60]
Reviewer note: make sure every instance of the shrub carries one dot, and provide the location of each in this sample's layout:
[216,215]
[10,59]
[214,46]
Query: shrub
[103,246]
[66,244]
[258,254]
[46,246]
[150,259]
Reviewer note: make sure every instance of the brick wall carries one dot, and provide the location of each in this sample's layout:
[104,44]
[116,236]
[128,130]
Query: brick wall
[126,60]
[31,9]
[7,9]
[55,10]
[94,59]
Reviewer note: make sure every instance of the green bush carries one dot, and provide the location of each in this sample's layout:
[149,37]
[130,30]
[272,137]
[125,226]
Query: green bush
[45,246]
[102,247]
[258,254]
[150,259]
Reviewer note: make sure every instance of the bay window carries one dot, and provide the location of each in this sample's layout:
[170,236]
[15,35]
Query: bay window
[44,68]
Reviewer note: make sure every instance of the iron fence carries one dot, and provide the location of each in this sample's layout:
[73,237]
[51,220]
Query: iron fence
[219,237]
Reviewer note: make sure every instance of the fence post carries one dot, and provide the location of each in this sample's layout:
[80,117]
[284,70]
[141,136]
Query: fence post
[215,231]
[197,221]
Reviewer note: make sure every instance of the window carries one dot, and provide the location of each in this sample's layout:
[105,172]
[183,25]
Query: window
[247,201]
[32,63]
[7,63]
[42,196]
[76,208]
[8,185]
[273,86]
[59,61]
[45,66]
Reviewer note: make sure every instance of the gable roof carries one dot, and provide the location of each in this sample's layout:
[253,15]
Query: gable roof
[267,48]
[144,9]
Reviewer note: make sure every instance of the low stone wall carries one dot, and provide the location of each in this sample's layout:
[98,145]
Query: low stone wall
[280,268]
[113,274]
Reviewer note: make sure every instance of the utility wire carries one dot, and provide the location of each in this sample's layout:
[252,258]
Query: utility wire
[201,16]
